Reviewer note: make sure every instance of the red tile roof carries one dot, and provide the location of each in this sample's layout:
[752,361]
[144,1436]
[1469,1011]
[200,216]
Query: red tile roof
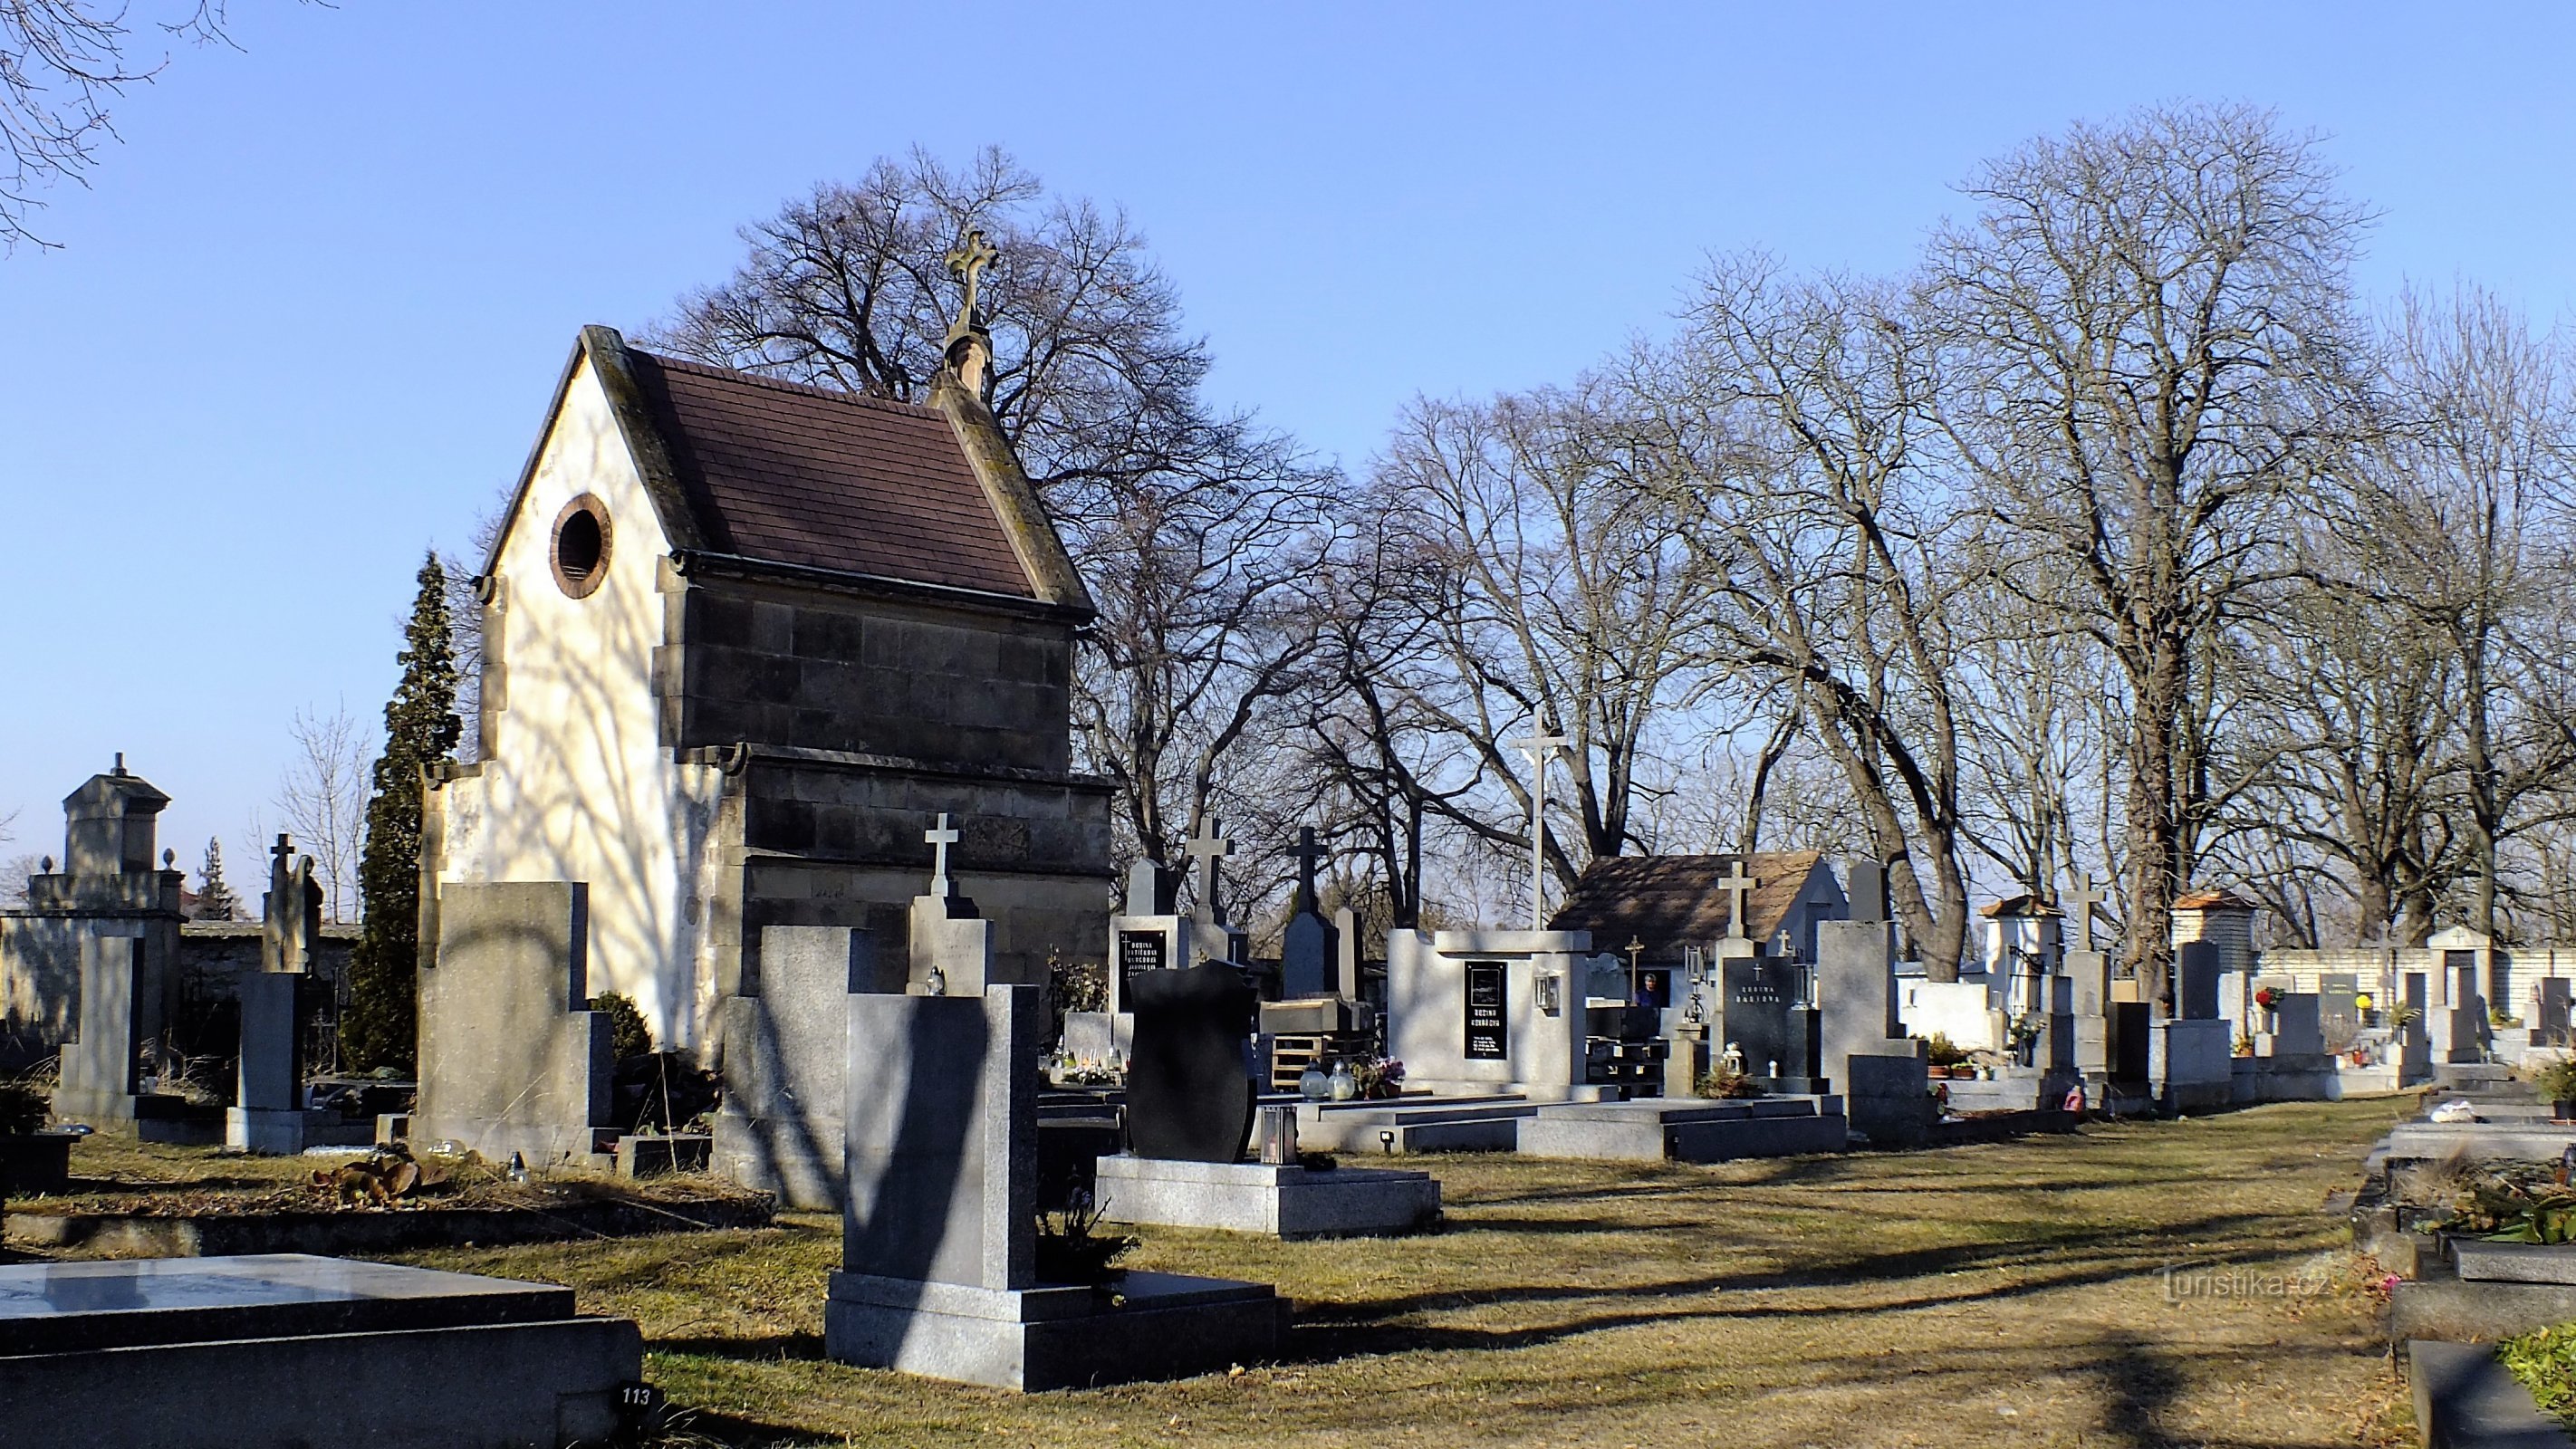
[1669,901]
[2221,899]
[786,473]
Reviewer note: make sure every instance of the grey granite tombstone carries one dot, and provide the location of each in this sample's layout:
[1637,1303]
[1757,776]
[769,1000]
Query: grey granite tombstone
[2467,1039]
[267,1115]
[1306,957]
[2297,1026]
[1881,1073]
[1867,891]
[2550,1010]
[939,1268]
[512,1058]
[99,1071]
[786,1047]
[1189,1097]
[2196,981]
[2090,973]
[1346,954]
[2415,1037]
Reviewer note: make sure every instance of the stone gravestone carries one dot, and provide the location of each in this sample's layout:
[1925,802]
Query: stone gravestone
[100,1068]
[2466,1040]
[2192,1055]
[2415,1037]
[2297,1026]
[1307,949]
[512,1058]
[940,1272]
[267,1115]
[1756,993]
[2338,1008]
[786,1046]
[2090,971]
[1189,1097]
[2549,1019]
[952,944]
[1346,954]
[1881,1074]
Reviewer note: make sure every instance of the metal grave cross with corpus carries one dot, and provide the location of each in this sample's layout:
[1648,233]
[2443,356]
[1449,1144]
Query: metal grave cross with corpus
[939,838]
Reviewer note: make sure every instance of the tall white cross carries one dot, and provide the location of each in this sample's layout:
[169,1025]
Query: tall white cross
[2080,903]
[1735,883]
[1540,748]
[939,838]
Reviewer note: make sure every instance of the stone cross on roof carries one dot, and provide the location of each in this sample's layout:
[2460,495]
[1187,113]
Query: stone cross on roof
[939,838]
[1735,883]
[2080,903]
[1308,854]
[1208,847]
[967,262]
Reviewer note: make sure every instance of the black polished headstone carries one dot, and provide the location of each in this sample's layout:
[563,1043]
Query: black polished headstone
[2130,1048]
[1189,1084]
[1754,1017]
[2549,1017]
[1487,1019]
[2196,981]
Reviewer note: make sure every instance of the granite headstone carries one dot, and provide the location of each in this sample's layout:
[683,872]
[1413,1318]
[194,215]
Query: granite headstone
[1189,1094]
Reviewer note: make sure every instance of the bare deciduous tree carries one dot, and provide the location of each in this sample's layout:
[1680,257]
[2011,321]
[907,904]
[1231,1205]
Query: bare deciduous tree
[62,64]
[322,797]
[2147,344]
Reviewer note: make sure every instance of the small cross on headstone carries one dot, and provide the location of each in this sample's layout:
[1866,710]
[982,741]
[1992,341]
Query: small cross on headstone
[284,850]
[2079,905]
[939,838]
[1308,854]
[1207,847]
[1735,883]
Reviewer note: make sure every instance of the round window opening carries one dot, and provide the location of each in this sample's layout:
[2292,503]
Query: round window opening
[581,546]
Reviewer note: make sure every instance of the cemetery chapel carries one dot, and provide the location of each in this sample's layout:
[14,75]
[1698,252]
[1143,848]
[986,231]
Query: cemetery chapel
[744,640]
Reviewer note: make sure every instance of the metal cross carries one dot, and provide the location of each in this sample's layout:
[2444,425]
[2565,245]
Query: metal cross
[1207,847]
[939,838]
[1308,854]
[2081,901]
[1540,748]
[968,262]
[1735,883]
[1636,948]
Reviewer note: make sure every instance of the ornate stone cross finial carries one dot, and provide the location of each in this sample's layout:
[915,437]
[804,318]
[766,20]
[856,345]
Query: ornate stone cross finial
[1308,854]
[968,262]
[939,838]
[1735,883]
[2079,907]
[1208,847]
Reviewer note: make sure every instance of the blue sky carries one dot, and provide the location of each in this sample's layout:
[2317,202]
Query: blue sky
[305,318]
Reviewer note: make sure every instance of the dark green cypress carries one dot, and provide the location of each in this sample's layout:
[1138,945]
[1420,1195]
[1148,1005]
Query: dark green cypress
[420,728]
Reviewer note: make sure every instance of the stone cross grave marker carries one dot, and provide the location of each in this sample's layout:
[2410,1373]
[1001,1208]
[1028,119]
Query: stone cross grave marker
[2079,910]
[939,838]
[1207,848]
[1735,883]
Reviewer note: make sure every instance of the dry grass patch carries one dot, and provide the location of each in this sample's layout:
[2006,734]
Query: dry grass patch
[2006,1294]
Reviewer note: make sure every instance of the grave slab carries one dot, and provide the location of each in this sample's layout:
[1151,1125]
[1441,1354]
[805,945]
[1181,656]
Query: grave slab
[1277,1201]
[280,1350]
[2464,1399]
[2481,1261]
[1687,1130]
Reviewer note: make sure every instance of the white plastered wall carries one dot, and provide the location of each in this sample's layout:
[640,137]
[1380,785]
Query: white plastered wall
[577,785]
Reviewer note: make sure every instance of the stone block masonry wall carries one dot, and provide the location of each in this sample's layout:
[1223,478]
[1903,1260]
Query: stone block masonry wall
[849,673]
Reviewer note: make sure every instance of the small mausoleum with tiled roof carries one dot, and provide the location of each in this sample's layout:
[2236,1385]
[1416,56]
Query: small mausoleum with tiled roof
[744,641]
[1669,902]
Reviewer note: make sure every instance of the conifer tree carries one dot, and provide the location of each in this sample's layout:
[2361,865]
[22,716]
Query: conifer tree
[215,900]
[420,728]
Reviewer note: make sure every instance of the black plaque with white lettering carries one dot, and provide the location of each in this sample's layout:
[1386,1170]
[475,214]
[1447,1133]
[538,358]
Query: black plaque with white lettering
[1753,1016]
[1489,1033]
[1139,951]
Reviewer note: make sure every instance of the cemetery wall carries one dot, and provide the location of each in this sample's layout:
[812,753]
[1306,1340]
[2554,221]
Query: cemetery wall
[2382,971]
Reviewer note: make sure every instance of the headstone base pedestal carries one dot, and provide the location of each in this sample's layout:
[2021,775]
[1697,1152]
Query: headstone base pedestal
[1252,1197]
[1688,1129]
[1144,1326]
[264,1132]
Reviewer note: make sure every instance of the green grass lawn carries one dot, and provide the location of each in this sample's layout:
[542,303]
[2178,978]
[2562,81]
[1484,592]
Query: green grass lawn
[2006,1294]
